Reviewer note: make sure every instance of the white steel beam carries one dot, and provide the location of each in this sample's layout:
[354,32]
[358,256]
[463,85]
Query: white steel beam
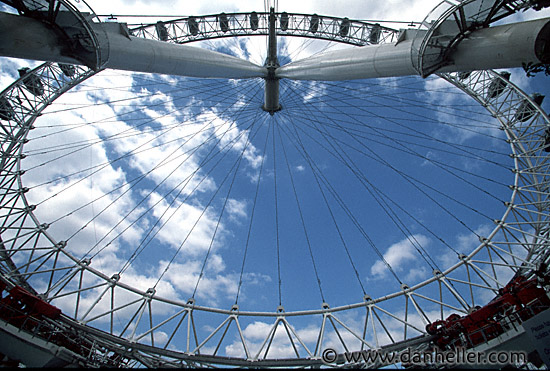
[24,37]
[489,48]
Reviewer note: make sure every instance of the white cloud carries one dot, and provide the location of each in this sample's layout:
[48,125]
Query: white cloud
[86,193]
[255,334]
[237,208]
[229,134]
[401,256]
[450,106]
[8,70]
[183,225]
[353,9]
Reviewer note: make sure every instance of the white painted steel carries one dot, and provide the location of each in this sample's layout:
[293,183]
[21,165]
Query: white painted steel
[490,48]
[374,61]
[27,38]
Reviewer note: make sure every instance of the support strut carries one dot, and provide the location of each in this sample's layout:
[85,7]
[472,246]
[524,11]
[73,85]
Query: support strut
[271,94]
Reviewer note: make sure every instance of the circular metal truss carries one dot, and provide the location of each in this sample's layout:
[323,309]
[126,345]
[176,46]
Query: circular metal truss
[28,251]
[452,21]
[190,29]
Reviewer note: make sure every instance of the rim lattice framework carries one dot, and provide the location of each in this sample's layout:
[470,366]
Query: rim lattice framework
[28,251]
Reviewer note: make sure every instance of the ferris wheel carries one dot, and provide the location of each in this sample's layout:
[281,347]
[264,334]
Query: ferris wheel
[298,183]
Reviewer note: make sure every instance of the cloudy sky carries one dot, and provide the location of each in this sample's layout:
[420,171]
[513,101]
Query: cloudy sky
[188,187]
[388,10]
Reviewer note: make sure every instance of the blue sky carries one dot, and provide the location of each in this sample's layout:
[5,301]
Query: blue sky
[198,184]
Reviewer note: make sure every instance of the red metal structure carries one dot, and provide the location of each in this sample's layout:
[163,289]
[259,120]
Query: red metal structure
[18,304]
[520,298]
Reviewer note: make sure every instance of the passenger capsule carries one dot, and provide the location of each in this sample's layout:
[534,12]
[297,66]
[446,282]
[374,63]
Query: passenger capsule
[31,82]
[464,75]
[162,32]
[224,22]
[254,22]
[547,140]
[6,110]
[526,110]
[374,36]
[193,26]
[497,86]
[314,23]
[344,27]
[67,69]
[284,21]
